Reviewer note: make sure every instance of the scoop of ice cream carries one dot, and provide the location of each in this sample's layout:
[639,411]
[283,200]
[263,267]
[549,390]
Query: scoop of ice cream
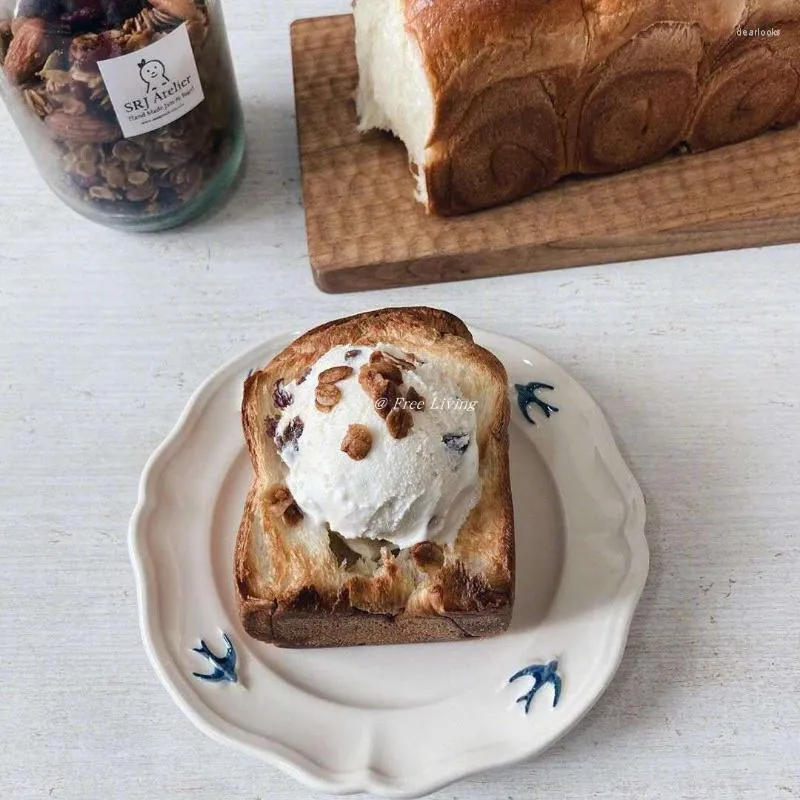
[407,477]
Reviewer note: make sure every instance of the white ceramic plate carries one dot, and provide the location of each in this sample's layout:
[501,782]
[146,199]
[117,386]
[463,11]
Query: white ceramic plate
[397,721]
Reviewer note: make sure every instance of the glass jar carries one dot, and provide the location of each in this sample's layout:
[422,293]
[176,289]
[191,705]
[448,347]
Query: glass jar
[129,107]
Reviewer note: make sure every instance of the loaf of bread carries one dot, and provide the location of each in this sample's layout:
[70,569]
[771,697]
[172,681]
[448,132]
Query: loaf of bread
[495,99]
[300,583]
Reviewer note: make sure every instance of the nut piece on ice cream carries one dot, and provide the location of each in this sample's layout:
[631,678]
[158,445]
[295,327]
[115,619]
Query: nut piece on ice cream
[357,442]
[388,448]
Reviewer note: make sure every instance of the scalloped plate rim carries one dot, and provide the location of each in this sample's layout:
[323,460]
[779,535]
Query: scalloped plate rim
[298,764]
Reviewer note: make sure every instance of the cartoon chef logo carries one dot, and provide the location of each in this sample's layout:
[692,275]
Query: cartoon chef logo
[153,74]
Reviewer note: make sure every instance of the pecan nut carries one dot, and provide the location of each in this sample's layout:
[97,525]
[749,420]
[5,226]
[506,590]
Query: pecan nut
[82,129]
[27,52]
[371,381]
[335,374]
[386,400]
[326,396]
[357,442]
[397,361]
[379,362]
[399,422]
[415,400]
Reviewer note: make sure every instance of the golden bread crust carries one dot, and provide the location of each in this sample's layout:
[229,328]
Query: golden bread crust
[528,91]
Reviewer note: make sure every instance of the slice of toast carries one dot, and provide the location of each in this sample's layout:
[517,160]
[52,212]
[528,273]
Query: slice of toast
[299,586]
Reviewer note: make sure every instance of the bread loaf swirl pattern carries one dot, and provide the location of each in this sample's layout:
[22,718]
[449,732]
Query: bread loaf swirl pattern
[526,92]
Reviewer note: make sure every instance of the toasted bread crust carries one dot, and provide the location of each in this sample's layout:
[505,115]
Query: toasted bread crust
[296,594]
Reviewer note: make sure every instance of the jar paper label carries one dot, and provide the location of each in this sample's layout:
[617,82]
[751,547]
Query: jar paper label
[155,85]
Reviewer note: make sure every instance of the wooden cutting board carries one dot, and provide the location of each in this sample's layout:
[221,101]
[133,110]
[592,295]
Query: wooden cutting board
[366,231]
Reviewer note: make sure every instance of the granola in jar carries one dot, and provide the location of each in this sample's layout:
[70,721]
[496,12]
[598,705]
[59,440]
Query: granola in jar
[130,107]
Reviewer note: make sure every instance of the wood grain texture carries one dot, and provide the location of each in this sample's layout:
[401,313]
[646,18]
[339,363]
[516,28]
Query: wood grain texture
[103,336]
[366,231]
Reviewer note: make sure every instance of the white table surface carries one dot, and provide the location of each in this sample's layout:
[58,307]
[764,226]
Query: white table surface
[103,336]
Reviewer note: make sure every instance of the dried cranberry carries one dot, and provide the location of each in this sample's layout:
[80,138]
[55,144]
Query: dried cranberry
[291,433]
[457,442]
[294,430]
[280,396]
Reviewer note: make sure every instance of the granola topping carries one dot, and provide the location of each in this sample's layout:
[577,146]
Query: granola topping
[380,363]
[399,423]
[335,374]
[326,396]
[386,400]
[371,465]
[414,400]
[371,381]
[400,363]
[357,442]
